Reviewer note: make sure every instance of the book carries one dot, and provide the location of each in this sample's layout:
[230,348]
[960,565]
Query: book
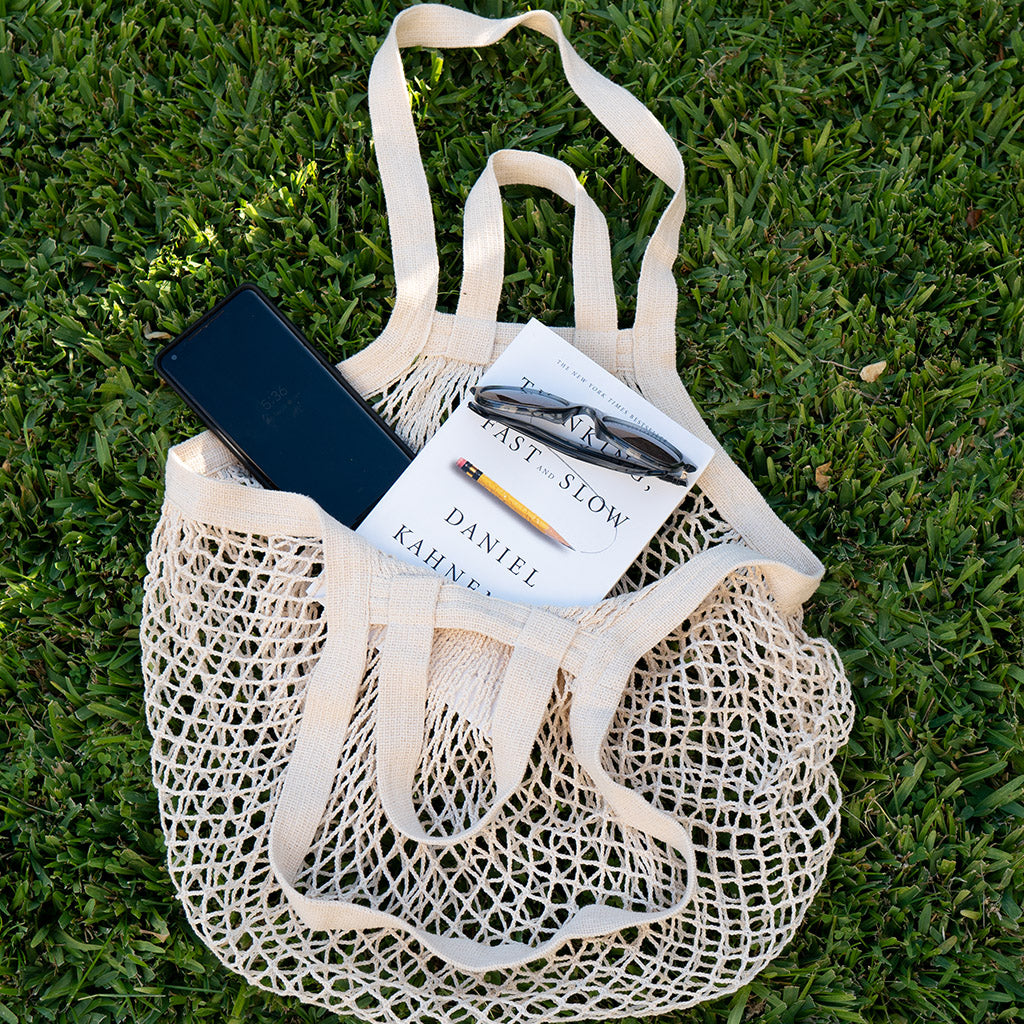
[490,508]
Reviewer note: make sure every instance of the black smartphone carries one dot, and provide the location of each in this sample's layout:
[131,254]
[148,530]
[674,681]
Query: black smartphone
[285,412]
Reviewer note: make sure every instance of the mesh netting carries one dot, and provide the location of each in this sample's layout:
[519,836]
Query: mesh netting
[729,723]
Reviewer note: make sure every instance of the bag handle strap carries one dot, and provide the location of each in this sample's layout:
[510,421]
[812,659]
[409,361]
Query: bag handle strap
[601,666]
[653,333]
[410,215]
[541,646]
[310,775]
[484,258]
[527,684]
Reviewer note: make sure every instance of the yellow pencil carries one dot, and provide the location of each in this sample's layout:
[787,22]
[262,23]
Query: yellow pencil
[506,499]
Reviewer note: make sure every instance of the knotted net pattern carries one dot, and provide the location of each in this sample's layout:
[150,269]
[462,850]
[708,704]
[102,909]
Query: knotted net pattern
[730,723]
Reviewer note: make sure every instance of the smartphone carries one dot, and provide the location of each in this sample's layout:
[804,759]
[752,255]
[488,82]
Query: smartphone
[284,411]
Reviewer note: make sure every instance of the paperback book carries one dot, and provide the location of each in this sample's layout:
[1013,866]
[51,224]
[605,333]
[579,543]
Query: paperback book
[488,507]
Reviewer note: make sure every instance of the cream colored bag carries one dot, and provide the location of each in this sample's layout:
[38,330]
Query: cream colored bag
[417,802]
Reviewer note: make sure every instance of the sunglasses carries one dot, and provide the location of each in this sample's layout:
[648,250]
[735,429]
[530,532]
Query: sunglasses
[535,413]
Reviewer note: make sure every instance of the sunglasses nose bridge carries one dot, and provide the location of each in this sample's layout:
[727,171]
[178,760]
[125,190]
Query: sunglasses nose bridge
[541,410]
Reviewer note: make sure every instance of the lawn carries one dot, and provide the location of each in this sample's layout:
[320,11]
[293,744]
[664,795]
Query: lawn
[856,179]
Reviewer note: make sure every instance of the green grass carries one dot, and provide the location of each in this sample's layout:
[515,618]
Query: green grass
[856,174]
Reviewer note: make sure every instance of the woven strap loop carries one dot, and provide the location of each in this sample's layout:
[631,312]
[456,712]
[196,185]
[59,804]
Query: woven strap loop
[484,257]
[410,215]
[543,643]
[401,711]
[653,338]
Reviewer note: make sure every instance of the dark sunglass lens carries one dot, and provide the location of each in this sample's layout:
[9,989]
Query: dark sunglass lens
[524,398]
[651,446]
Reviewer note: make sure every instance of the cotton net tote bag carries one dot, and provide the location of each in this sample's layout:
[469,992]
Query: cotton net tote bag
[408,800]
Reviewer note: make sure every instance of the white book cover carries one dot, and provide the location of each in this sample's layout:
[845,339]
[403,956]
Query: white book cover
[467,530]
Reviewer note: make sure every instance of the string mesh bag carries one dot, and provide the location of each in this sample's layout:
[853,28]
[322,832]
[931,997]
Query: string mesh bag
[403,799]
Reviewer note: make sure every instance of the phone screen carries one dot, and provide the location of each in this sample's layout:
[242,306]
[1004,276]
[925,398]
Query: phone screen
[282,408]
